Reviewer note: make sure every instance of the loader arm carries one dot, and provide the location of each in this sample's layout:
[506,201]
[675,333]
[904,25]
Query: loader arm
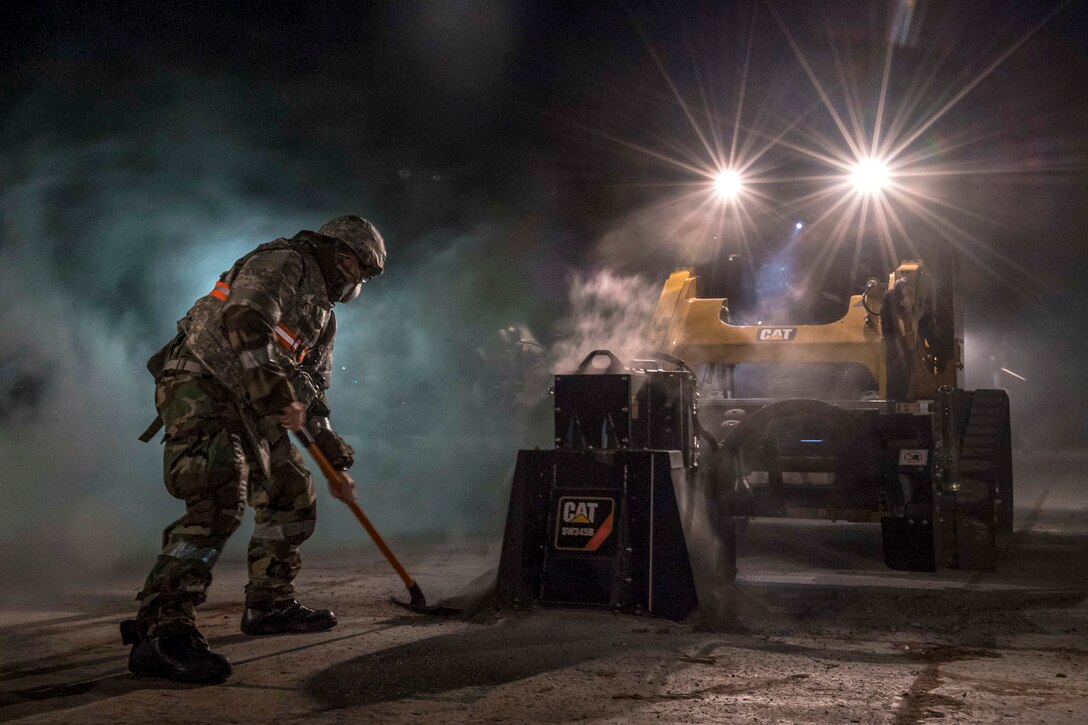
[697,330]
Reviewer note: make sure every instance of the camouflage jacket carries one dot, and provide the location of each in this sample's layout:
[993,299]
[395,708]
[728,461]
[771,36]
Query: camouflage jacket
[282,351]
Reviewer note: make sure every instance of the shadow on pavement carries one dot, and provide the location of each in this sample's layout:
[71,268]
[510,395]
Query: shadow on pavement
[480,657]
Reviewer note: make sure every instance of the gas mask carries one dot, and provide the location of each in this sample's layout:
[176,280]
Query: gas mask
[352,275]
[350,291]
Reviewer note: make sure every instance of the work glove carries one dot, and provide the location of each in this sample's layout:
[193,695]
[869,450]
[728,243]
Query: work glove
[339,453]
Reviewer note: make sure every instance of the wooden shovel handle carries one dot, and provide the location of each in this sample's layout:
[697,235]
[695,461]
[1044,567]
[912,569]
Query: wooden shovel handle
[334,475]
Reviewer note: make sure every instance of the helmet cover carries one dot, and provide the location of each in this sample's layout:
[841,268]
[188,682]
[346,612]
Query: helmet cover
[362,237]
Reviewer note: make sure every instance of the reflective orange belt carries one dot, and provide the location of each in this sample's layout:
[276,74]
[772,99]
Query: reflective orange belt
[221,291]
[291,341]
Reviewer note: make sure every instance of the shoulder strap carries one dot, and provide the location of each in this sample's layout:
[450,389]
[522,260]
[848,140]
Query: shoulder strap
[274,245]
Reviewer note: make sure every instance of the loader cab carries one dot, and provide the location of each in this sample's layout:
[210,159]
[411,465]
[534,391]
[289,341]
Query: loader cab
[734,278]
[788,286]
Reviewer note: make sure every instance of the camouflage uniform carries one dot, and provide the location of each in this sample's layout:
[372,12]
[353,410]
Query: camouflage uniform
[261,340]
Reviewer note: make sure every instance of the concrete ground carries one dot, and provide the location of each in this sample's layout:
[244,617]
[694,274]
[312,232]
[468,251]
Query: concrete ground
[829,636]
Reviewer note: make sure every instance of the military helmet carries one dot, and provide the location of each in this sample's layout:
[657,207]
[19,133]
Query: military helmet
[361,237]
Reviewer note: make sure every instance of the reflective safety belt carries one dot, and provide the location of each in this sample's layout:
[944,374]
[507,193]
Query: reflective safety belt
[221,291]
[290,341]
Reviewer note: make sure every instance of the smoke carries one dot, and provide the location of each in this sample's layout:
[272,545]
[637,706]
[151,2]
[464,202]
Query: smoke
[607,311]
[683,232]
[108,238]
[435,419]
[96,255]
[137,163]
[108,235]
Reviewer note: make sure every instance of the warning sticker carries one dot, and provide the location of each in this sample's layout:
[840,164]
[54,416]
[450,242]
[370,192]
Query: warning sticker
[583,523]
[913,457]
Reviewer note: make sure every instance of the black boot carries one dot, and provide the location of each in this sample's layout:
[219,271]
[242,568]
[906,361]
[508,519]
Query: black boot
[286,617]
[175,652]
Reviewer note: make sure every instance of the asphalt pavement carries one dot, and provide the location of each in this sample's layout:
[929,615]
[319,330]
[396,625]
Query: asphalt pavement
[826,634]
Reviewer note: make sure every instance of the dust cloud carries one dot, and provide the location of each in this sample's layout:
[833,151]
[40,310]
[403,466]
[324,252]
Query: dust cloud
[106,240]
[607,311]
[128,186]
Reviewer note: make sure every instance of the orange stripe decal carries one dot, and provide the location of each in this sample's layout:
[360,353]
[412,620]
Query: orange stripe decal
[221,291]
[288,339]
[602,534]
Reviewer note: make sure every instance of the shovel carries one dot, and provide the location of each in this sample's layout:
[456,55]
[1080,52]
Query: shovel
[416,602]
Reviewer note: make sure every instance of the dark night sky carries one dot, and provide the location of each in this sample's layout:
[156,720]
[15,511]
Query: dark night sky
[445,114]
[144,146]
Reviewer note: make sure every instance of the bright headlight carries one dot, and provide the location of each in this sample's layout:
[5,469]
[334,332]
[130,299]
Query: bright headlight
[870,176]
[727,184]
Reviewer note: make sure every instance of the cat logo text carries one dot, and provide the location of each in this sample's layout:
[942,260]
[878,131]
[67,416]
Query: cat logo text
[776,334]
[583,523]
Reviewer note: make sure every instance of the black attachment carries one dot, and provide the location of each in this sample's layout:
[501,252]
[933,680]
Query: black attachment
[614,366]
[714,443]
[630,410]
[598,529]
[671,360]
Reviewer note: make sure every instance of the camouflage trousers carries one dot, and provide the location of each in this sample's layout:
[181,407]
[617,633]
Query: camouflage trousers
[208,463]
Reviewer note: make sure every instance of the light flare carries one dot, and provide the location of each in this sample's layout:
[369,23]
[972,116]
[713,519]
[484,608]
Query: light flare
[728,184]
[872,174]
[878,165]
[870,177]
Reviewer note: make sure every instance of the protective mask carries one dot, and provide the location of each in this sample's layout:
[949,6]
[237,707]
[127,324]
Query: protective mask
[352,276]
[350,291]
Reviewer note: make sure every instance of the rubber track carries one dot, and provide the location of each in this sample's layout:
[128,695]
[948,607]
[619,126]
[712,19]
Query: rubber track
[985,453]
